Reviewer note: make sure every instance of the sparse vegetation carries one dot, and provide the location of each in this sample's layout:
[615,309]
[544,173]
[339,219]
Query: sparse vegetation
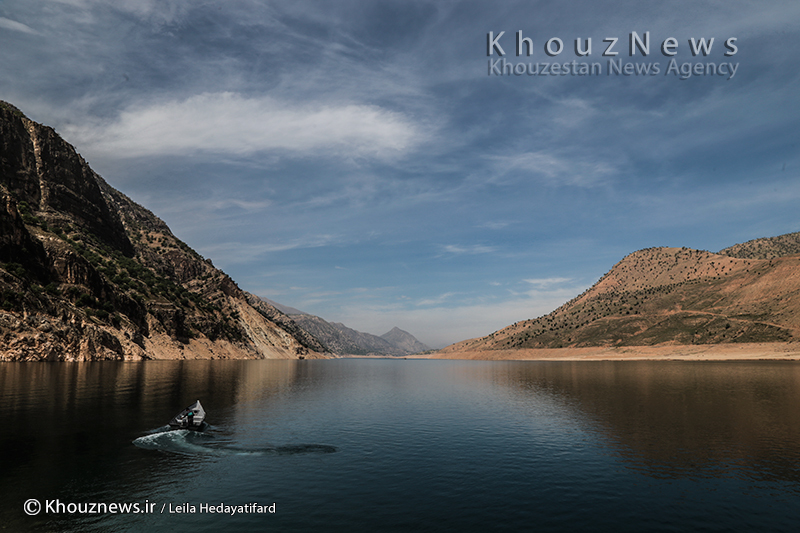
[662,295]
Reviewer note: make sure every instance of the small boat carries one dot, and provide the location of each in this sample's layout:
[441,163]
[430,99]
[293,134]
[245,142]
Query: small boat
[193,417]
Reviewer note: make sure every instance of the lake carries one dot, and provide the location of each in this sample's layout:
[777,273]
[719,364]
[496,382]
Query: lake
[400,445]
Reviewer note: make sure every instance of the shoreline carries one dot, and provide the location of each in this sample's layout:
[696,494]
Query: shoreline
[710,352]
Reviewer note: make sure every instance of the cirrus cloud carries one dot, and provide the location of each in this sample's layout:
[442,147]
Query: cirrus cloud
[13,25]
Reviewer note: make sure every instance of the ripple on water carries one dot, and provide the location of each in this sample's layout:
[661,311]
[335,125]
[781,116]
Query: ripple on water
[184,441]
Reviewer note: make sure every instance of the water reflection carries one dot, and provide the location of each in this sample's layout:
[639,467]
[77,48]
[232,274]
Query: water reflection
[679,419]
[67,428]
[437,444]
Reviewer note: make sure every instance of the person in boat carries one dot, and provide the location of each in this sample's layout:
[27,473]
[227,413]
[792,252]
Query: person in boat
[190,418]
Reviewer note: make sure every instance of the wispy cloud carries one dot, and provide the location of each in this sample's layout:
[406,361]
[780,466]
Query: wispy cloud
[495,224]
[229,123]
[469,249]
[555,169]
[13,25]
[245,205]
[157,11]
[547,282]
[237,252]
[435,301]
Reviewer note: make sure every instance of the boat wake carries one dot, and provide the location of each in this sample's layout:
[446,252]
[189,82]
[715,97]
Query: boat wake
[187,442]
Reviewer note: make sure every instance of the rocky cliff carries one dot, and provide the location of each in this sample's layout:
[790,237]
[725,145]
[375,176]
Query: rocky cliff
[86,273]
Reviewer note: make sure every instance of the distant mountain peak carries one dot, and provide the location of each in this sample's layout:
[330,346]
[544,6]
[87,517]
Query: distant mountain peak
[404,340]
[343,340]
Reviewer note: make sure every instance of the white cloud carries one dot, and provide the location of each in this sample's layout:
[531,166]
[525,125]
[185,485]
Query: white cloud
[13,25]
[156,11]
[244,205]
[437,300]
[547,282]
[557,170]
[495,225]
[573,112]
[230,123]
[472,249]
[230,253]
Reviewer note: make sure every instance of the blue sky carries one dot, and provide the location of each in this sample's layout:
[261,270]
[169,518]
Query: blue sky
[357,161]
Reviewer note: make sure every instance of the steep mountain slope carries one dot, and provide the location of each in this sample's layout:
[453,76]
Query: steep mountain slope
[283,308]
[342,340]
[86,273]
[674,296]
[404,341]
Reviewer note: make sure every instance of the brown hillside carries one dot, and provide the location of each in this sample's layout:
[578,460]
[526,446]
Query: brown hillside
[766,248]
[669,296]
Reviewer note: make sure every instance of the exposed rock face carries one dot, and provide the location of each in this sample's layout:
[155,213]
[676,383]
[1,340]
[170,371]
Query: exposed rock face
[746,293]
[285,322]
[342,340]
[86,273]
[404,341]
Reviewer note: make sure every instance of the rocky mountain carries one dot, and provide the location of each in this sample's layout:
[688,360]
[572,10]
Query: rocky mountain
[342,340]
[746,293]
[86,273]
[404,340]
[283,308]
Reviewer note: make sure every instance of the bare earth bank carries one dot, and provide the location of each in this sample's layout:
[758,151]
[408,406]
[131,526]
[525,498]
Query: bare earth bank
[707,352]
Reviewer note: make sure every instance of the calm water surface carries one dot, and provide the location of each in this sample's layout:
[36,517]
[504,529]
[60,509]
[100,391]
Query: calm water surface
[399,445]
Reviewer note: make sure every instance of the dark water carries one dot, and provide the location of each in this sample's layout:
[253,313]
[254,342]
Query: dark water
[396,445]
